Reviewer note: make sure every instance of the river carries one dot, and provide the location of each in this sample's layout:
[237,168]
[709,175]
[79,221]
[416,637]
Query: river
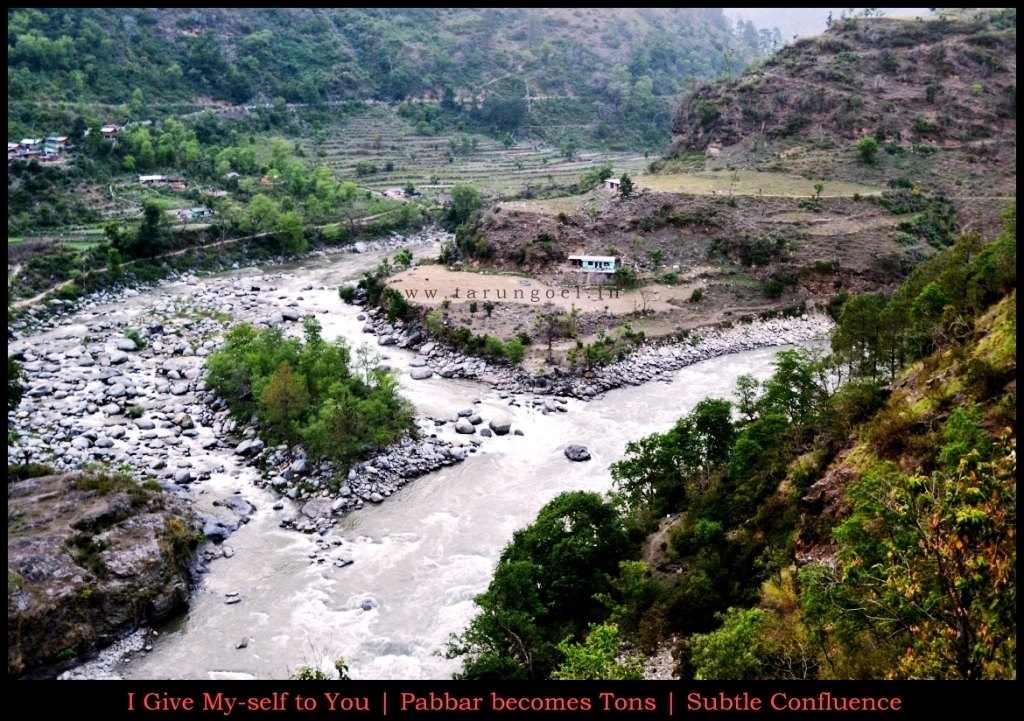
[420,557]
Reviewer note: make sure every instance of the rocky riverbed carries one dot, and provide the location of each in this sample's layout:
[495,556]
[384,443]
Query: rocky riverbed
[117,379]
[651,361]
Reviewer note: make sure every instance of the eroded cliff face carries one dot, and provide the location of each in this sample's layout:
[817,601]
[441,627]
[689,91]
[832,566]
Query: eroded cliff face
[90,555]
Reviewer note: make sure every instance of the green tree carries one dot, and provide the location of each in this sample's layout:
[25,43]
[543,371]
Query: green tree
[625,186]
[284,398]
[732,652]
[466,200]
[867,147]
[14,386]
[543,590]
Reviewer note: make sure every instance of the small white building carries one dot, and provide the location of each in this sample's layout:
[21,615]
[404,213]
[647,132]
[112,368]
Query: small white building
[110,131]
[612,184]
[152,179]
[594,263]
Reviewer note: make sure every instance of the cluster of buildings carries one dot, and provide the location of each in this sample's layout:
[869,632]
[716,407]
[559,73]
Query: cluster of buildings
[44,150]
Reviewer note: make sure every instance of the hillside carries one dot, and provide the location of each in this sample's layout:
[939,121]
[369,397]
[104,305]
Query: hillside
[937,96]
[851,517]
[177,59]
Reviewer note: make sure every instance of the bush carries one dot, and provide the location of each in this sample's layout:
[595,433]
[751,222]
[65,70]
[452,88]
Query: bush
[514,351]
[697,295]
[625,277]
[867,147]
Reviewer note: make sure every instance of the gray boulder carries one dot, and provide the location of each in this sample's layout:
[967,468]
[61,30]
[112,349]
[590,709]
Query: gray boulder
[576,452]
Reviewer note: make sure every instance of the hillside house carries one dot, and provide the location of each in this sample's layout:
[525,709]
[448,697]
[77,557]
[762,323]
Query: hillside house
[189,215]
[110,131]
[607,264]
[612,184]
[152,180]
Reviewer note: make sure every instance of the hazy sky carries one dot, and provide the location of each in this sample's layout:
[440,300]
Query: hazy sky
[806,21]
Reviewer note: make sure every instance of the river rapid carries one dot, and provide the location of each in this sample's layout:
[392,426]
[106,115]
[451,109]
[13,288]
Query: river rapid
[420,557]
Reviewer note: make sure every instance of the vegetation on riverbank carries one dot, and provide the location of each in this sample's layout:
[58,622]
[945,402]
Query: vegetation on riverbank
[309,391]
[851,517]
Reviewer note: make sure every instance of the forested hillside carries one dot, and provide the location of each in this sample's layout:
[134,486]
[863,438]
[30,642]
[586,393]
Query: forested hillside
[154,60]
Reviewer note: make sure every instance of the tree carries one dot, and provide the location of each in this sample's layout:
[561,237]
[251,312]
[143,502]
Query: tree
[137,105]
[733,651]
[285,397]
[466,200]
[14,386]
[543,590]
[403,258]
[625,186]
[927,564]
[152,233]
[868,149]
[290,231]
[554,325]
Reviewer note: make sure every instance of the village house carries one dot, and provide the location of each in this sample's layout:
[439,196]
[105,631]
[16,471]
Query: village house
[606,264]
[152,180]
[612,184]
[110,131]
[188,215]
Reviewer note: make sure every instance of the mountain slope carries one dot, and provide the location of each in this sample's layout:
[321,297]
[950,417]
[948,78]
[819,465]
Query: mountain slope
[938,96]
[391,53]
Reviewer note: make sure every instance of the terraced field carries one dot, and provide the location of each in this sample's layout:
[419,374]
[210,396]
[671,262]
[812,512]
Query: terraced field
[380,136]
[750,182]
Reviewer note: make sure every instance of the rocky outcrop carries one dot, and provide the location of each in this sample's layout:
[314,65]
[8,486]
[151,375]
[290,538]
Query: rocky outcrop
[90,556]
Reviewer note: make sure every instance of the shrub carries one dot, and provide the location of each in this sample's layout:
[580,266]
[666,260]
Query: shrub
[867,147]
[514,351]
[697,295]
[133,335]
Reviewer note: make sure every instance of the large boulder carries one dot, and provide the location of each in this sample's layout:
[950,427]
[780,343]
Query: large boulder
[92,559]
[465,427]
[501,425]
[576,452]
[421,373]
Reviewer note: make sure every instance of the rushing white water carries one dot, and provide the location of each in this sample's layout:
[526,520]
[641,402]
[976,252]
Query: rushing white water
[422,556]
